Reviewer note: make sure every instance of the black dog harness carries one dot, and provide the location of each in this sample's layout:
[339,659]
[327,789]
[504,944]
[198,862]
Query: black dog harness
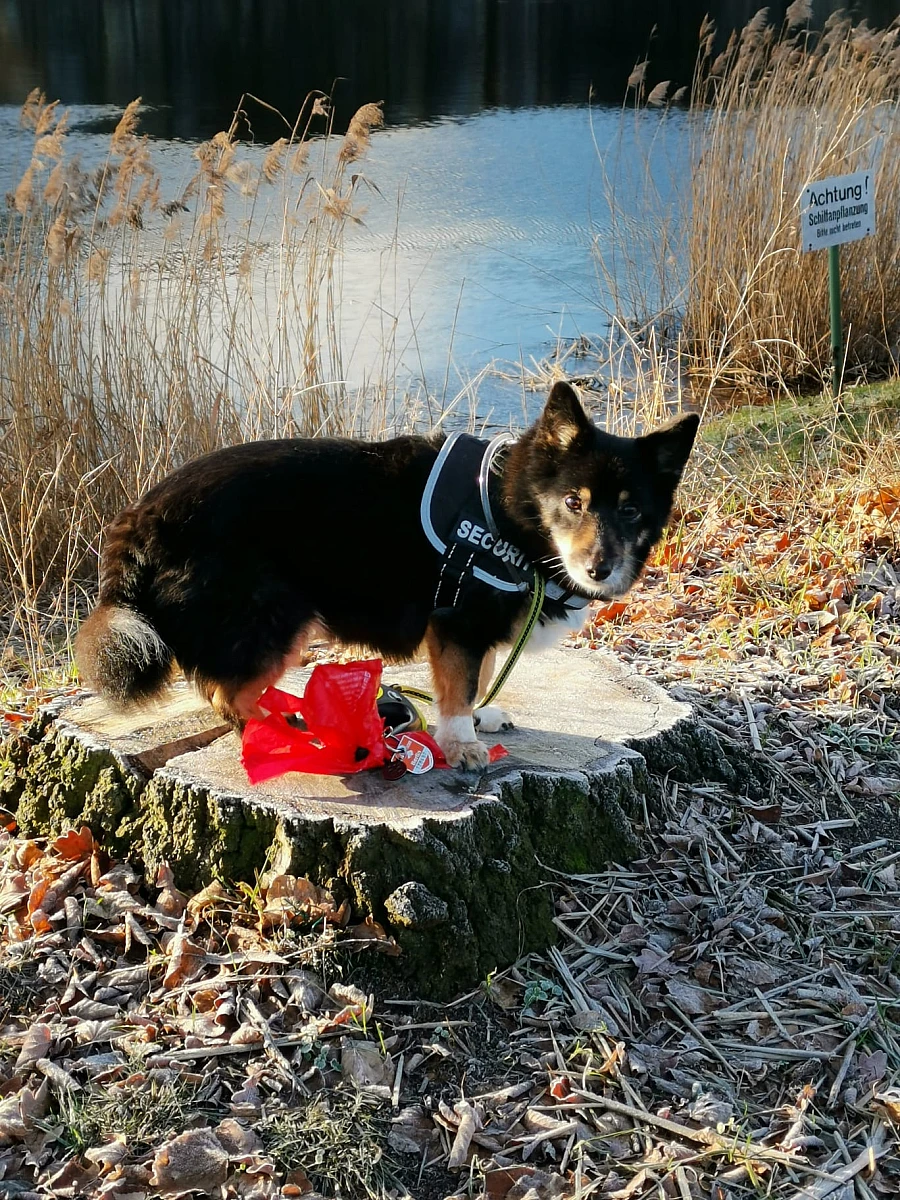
[458,521]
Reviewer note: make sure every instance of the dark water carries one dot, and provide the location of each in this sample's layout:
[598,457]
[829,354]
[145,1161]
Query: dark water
[493,170]
[192,59]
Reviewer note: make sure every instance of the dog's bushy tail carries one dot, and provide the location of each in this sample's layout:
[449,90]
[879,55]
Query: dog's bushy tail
[117,650]
[120,655]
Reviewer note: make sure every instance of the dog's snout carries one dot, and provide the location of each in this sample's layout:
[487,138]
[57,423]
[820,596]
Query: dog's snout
[600,571]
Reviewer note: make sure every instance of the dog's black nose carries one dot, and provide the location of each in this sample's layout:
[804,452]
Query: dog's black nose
[600,571]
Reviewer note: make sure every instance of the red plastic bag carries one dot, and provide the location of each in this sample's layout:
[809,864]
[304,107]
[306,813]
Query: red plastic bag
[343,733]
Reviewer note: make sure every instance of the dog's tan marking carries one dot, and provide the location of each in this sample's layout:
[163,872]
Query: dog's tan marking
[234,702]
[239,702]
[491,718]
[452,675]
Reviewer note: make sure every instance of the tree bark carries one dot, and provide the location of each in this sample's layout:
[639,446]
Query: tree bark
[449,864]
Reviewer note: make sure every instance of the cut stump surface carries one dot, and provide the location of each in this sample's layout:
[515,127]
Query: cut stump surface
[447,862]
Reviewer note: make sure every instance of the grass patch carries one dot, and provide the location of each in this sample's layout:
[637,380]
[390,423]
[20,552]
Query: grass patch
[336,1140]
[806,429]
[20,989]
[141,1109]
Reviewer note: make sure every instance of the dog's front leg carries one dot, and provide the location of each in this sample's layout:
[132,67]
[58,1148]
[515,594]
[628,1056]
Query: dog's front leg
[455,670]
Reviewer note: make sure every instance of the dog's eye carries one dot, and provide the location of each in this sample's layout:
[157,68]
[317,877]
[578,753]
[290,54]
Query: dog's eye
[629,512]
[573,503]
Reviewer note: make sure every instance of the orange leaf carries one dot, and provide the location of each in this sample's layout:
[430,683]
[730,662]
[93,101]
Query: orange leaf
[40,922]
[170,901]
[37,894]
[500,1180]
[352,1012]
[724,620]
[74,845]
[28,853]
[881,502]
[816,598]
[371,933]
[609,612]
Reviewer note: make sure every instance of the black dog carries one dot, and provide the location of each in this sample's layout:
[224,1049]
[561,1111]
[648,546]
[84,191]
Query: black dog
[231,563]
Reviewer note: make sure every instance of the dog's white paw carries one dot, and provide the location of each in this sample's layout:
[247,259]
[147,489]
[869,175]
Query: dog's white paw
[467,756]
[456,737]
[492,719]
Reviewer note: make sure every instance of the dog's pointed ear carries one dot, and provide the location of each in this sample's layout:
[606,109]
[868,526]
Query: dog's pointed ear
[668,448]
[563,420]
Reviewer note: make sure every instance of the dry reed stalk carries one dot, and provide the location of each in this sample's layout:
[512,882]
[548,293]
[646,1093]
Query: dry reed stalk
[718,242]
[132,344]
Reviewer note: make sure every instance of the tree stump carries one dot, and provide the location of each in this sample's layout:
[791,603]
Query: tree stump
[447,863]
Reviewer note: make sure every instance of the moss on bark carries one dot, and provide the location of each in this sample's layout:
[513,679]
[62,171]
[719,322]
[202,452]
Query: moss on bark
[63,779]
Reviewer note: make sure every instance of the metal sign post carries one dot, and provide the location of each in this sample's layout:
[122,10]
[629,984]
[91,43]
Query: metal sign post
[832,212]
[834,306]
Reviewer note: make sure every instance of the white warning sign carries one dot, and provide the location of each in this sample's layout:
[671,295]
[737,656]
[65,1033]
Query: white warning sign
[837,210]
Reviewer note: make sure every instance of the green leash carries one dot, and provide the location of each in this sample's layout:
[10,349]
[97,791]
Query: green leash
[531,620]
[534,612]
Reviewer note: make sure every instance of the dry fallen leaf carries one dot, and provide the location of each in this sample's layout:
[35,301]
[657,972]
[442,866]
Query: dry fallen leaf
[36,1044]
[469,1123]
[20,1110]
[71,1180]
[505,993]
[411,1131]
[170,900]
[692,1000]
[498,1182]
[363,1064]
[193,1161]
[14,892]
[246,1034]
[186,961]
[371,935]
[74,844]
[214,895]
[13,1125]
[538,1186]
[28,853]
[236,1139]
[110,1154]
[291,896]
[246,1101]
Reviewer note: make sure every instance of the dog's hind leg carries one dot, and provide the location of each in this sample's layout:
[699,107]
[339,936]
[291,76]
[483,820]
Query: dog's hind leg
[237,700]
[455,671]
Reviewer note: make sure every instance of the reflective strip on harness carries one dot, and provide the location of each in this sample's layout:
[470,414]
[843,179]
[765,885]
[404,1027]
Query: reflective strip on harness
[455,523]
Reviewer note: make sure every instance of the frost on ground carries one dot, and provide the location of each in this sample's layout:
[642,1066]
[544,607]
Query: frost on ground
[718,1019]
